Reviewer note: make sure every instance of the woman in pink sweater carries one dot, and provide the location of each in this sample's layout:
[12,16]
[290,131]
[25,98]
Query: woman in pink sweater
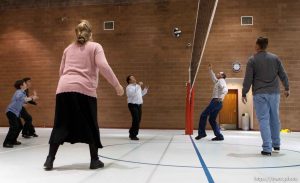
[76,98]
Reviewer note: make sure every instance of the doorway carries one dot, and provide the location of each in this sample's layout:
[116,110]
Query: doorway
[228,116]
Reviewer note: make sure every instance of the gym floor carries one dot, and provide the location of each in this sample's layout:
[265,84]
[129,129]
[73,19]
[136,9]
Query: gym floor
[160,156]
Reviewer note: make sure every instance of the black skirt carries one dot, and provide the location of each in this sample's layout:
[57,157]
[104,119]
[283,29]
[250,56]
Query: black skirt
[75,120]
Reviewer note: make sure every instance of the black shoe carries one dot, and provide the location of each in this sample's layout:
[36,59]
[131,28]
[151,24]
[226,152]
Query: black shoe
[134,138]
[217,139]
[200,137]
[35,135]
[25,136]
[96,164]
[266,153]
[48,165]
[276,149]
[17,143]
[8,145]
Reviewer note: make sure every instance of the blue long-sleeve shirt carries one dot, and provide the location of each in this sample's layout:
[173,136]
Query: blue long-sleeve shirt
[17,102]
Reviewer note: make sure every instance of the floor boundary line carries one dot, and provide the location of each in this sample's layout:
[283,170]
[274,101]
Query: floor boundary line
[205,169]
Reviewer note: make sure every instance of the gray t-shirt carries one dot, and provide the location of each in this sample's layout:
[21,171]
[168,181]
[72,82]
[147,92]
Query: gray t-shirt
[262,72]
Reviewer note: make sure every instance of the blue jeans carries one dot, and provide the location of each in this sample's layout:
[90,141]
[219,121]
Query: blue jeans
[212,111]
[267,113]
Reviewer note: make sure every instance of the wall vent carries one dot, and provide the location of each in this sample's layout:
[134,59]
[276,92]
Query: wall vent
[246,20]
[109,25]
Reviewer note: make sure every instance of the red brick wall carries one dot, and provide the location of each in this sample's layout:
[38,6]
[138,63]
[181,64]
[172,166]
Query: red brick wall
[229,41]
[32,41]
[142,44]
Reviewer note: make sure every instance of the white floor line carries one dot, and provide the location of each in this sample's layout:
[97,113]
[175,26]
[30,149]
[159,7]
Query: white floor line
[160,159]
[124,155]
[234,160]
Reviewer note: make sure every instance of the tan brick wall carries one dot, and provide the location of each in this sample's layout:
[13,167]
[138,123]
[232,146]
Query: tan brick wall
[142,44]
[33,39]
[229,41]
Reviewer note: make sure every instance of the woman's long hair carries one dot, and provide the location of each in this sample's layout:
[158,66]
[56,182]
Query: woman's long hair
[83,32]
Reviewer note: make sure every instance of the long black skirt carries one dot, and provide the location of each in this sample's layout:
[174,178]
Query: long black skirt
[75,120]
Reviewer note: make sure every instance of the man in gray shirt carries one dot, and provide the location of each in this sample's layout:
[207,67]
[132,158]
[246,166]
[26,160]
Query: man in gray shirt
[262,72]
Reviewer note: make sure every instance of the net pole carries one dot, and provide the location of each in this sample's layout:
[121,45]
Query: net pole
[189,110]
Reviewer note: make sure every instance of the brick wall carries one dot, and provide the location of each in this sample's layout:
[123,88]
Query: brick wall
[142,44]
[229,41]
[33,38]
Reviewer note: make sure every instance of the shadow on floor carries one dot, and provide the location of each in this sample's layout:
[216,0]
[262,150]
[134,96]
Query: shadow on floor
[242,155]
[86,166]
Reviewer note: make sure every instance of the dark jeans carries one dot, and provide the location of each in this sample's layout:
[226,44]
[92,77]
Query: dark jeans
[28,128]
[136,114]
[15,127]
[212,111]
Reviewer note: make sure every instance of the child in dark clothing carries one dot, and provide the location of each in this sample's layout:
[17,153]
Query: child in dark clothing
[28,128]
[13,114]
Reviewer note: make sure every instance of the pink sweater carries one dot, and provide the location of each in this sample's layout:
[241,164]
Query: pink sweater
[79,69]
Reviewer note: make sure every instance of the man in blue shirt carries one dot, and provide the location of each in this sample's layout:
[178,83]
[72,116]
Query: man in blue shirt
[13,114]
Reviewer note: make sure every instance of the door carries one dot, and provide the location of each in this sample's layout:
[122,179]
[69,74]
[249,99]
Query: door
[228,116]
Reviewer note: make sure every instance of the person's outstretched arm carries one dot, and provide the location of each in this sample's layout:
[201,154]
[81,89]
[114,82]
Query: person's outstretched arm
[212,74]
[106,70]
[20,96]
[144,91]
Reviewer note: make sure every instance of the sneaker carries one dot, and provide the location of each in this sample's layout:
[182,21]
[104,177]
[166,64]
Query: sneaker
[96,164]
[217,139]
[8,145]
[35,135]
[134,138]
[48,165]
[200,137]
[276,149]
[266,153]
[17,143]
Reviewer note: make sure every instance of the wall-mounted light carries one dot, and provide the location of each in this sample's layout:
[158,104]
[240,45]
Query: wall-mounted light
[63,19]
[176,32]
